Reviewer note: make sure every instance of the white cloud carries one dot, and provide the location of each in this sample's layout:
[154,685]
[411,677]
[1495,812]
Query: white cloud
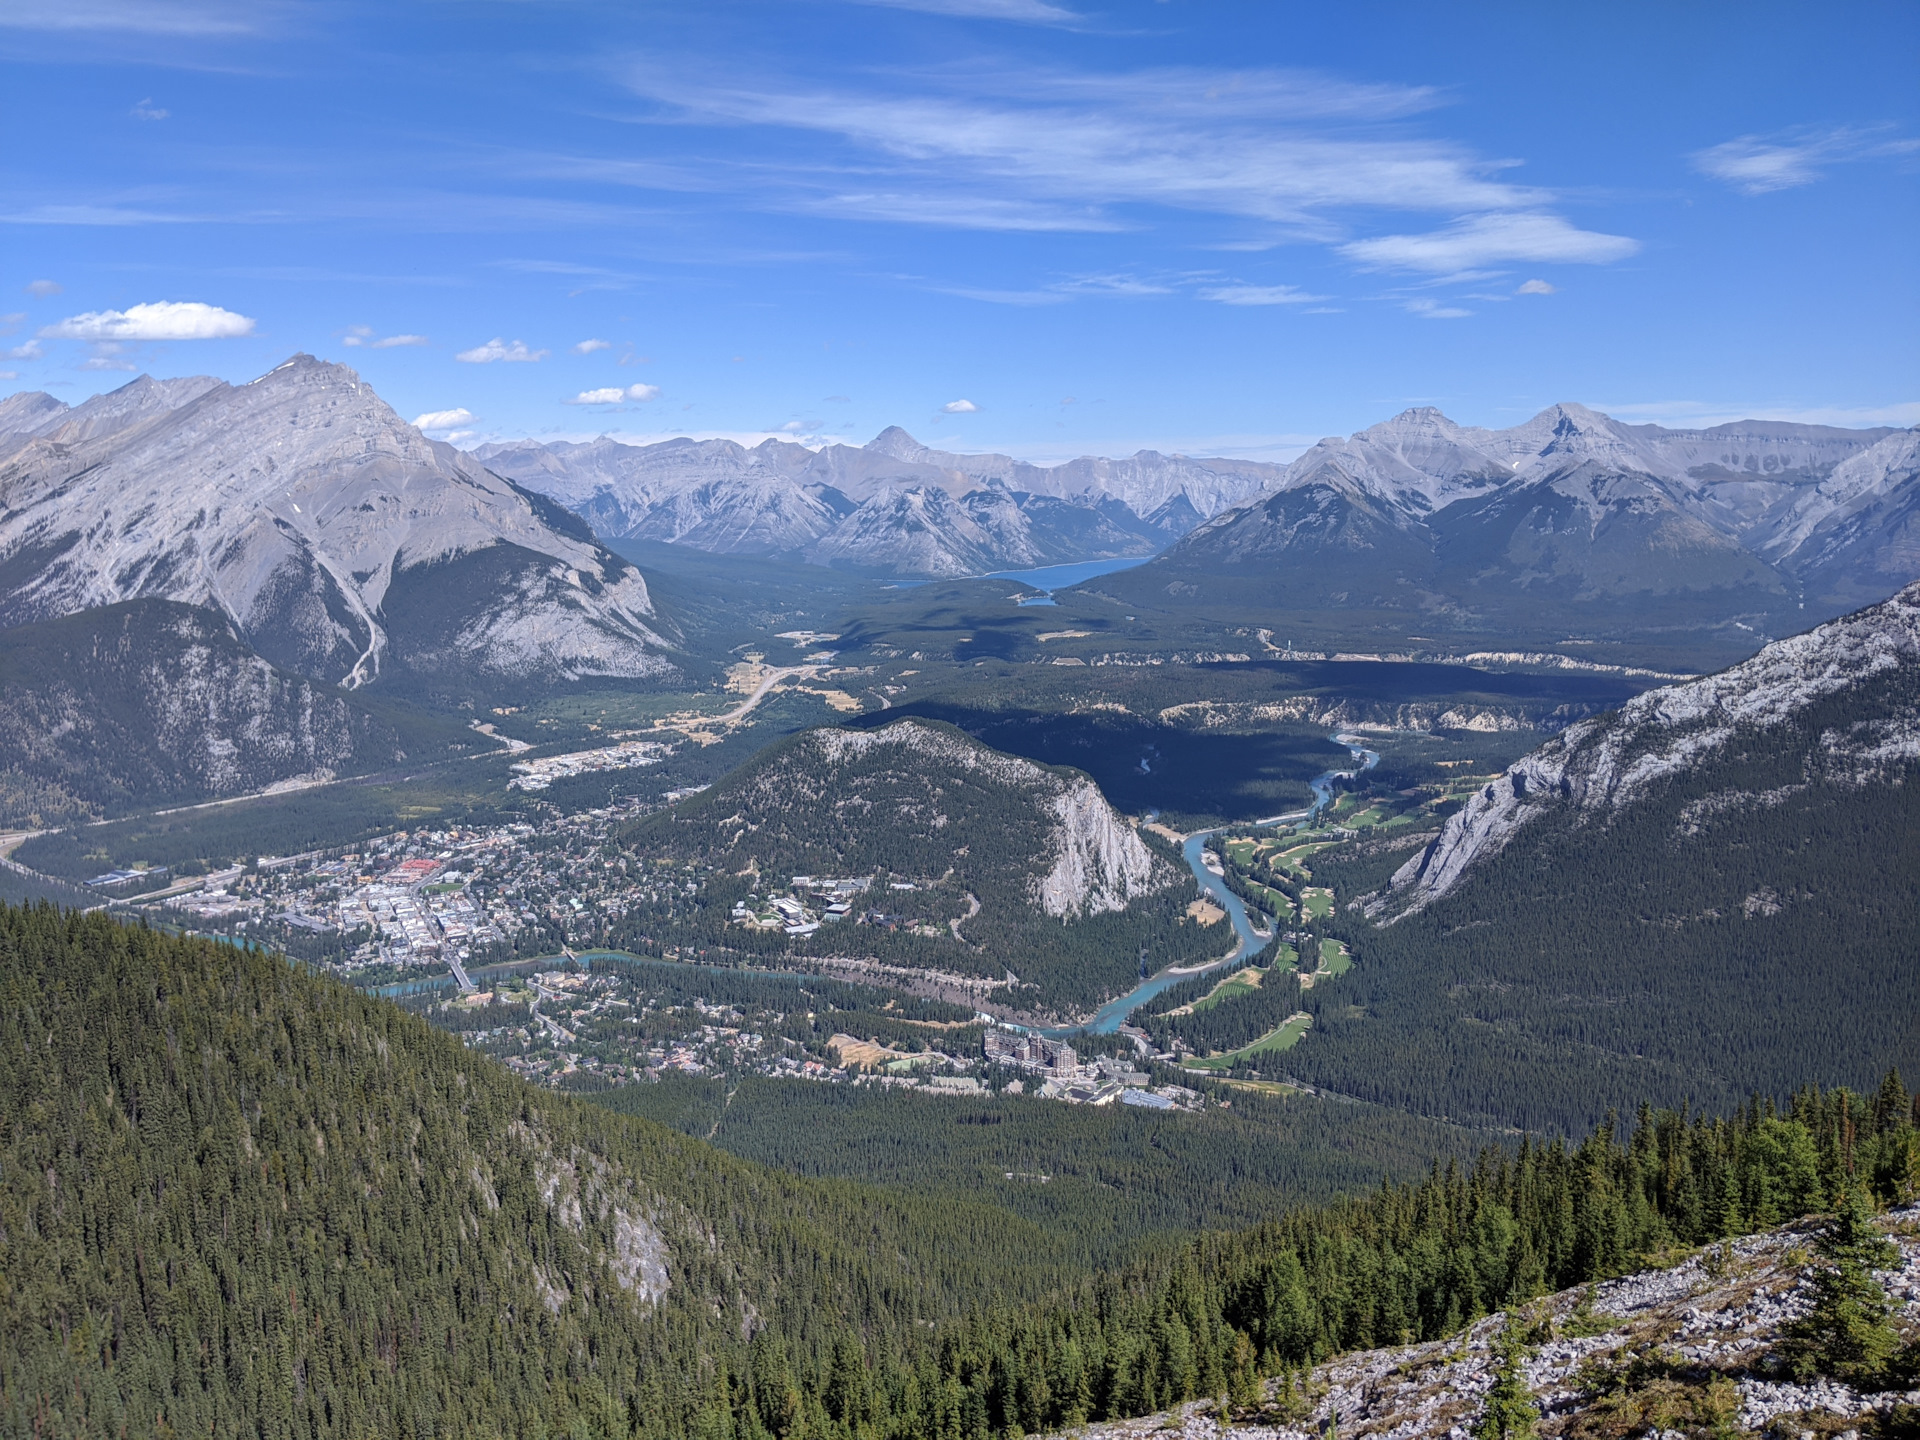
[145,111]
[614,395]
[498,349]
[1478,240]
[9,374]
[1260,295]
[1756,165]
[1434,310]
[587,347]
[43,288]
[363,335]
[29,351]
[1031,12]
[1536,287]
[959,407]
[160,320]
[443,419]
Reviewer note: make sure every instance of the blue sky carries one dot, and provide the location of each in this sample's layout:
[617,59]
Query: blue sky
[1045,226]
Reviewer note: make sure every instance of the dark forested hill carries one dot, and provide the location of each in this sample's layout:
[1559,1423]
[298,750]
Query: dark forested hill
[151,702]
[1709,893]
[238,1200]
[981,861]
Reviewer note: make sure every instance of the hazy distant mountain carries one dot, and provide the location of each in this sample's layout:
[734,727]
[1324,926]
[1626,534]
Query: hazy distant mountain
[891,505]
[1571,521]
[339,541]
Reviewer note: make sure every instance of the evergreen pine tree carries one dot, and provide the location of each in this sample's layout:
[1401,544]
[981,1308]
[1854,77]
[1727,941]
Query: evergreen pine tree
[1847,1334]
[1510,1412]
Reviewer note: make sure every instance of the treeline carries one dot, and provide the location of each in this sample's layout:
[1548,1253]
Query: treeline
[1409,1262]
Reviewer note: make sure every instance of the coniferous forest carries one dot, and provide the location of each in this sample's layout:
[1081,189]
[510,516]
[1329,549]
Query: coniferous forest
[239,1200]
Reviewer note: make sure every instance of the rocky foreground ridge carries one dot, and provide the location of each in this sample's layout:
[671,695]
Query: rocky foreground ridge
[1688,1351]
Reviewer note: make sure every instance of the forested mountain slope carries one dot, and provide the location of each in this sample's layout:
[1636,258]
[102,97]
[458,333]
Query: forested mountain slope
[153,702]
[1708,893]
[986,861]
[238,1200]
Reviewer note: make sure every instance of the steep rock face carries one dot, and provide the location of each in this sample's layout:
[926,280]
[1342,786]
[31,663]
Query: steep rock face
[149,702]
[1101,864]
[296,505]
[1605,764]
[1856,533]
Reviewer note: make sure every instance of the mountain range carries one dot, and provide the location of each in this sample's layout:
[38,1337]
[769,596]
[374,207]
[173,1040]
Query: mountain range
[1572,523]
[892,505]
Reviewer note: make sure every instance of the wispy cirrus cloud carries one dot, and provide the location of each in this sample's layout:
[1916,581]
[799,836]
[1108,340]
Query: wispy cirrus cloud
[1027,12]
[1035,149]
[1260,295]
[143,17]
[1758,165]
[158,320]
[497,351]
[1475,241]
[1306,156]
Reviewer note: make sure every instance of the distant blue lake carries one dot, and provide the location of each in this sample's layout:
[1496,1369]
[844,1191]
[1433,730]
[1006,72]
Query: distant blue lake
[1064,577]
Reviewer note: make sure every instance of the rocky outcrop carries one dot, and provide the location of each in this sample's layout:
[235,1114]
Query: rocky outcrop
[1101,864]
[1662,1353]
[1605,764]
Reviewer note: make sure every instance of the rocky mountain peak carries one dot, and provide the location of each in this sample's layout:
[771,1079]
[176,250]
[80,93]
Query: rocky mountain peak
[292,504]
[896,444]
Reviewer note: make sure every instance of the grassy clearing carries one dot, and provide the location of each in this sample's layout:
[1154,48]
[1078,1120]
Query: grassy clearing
[1318,901]
[1238,983]
[1274,902]
[1334,957]
[1283,1037]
